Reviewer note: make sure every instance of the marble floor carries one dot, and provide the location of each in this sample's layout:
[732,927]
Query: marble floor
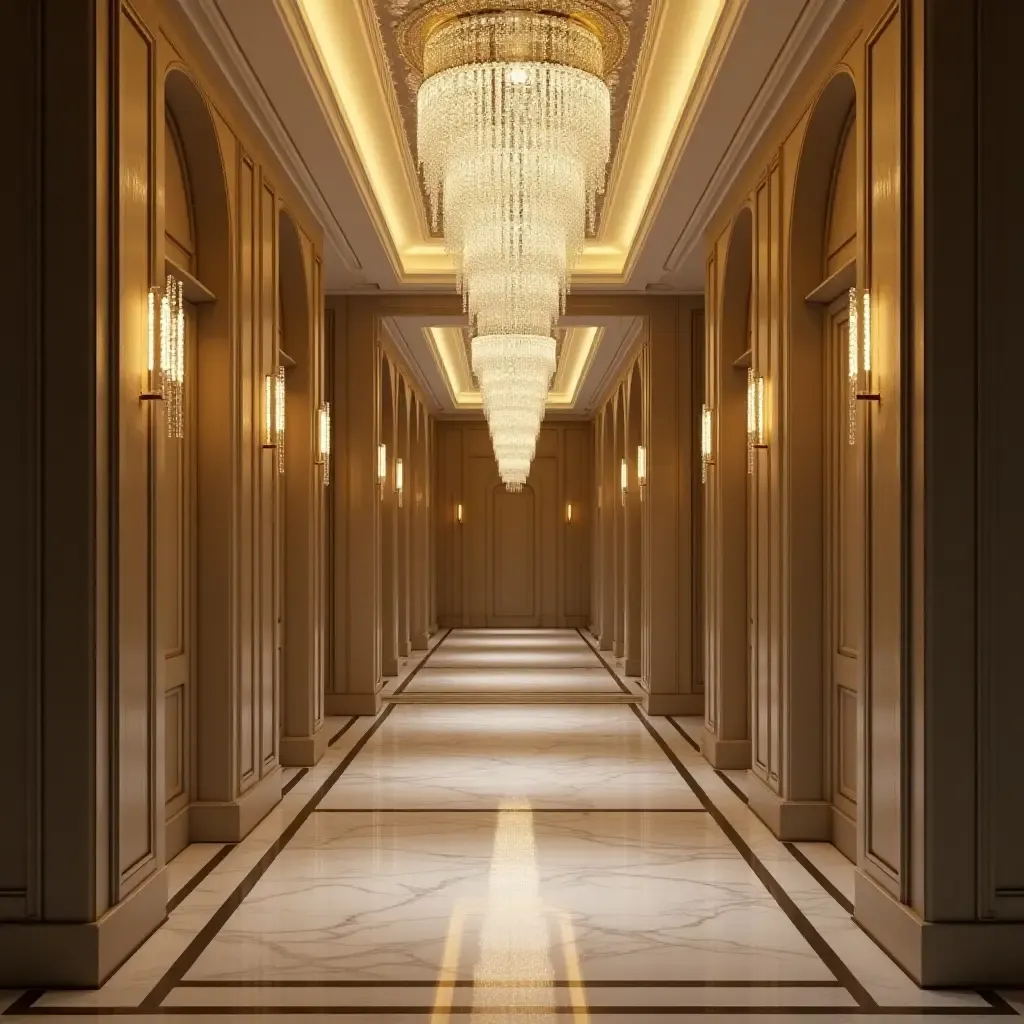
[511,862]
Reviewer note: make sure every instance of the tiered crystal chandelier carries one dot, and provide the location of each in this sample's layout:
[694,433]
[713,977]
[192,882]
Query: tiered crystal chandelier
[513,139]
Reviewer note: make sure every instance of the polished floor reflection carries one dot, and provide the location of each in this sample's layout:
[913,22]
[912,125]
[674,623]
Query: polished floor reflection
[528,861]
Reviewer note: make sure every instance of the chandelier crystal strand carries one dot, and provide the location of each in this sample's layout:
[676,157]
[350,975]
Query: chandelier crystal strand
[513,140]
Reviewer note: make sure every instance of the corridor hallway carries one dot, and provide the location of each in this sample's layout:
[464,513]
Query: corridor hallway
[533,861]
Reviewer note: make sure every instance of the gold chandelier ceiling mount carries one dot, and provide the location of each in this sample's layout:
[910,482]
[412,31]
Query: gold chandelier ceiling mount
[587,34]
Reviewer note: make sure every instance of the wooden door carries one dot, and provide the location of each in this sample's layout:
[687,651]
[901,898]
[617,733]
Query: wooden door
[176,604]
[844,625]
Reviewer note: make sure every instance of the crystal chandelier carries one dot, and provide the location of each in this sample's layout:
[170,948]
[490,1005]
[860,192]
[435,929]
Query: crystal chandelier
[513,137]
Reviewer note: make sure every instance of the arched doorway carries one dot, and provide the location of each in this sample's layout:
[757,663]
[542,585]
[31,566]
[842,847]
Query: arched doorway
[729,509]
[194,571]
[633,573]
[824,250]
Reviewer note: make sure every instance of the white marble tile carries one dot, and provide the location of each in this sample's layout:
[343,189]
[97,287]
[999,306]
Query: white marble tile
[832,864]
[183,868]
[610,896]
[510,680]
[871,966]
[524,657]
[563,756]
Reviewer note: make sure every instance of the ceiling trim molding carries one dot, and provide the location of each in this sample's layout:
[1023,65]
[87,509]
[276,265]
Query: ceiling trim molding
[628,352]
[216,35]
[799,48]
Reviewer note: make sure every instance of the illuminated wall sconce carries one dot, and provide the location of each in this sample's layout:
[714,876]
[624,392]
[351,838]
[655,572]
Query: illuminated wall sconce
[382,468]
[707,451]
[324,440]
[641,468]
[624,480]
[165,353]
[273,414]
[400,481]
[458,513]
[568,512]
[859,363]
[755,416]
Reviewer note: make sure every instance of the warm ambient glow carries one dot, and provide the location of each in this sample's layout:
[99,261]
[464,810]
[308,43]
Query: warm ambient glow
[324,435]
[707,454]
[382,466]
[755,416]
[458,513]
[568,512]
[641,464]
[624,479]
[400,480]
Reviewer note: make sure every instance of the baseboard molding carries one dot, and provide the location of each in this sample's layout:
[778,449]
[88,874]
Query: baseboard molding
[81,955]
[947,954]
[724,753]
[343,704]
[790,820]
[176,833]
[230,821]
[844,835]
[674,703]
[304,751]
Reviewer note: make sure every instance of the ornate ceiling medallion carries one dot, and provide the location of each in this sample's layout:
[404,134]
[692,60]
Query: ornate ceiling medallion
[513,138]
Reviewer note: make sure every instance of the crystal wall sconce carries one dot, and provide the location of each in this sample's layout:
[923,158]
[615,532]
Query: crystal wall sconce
[755,416]
[273,414]
[165,353]
[624,480]
[324,441]
[458,513]
[382,468]
[707,451]
[641,468]
[400,481]
[859,359]
[568,512]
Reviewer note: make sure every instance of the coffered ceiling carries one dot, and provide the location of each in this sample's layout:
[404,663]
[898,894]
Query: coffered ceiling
[326,83]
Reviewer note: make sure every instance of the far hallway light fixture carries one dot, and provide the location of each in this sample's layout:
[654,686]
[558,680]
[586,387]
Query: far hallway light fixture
[859,358]
[641,468]
[382,467]
[568,512]
[624,479]
[458,513]
[400,481]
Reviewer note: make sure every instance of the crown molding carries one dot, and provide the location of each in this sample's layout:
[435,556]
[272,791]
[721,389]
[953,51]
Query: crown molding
[216,35]
[800,46]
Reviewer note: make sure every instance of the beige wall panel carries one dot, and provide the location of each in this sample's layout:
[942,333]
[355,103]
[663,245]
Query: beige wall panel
[249,457]
[474,568]
[883,707]
[175,780]
[268,505]
[177,202]
[513,544]
[137,426]
[842,225]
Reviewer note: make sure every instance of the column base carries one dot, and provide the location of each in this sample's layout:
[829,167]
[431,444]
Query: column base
[303,751]
[604,642]
[421,641]
[791,820]
[433,628]
[631,667]
[388,667]
[404,648]
[352,703]
[85,955]
[619,648]
[940,954]
[230,821]
[724,753]
[674,703]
